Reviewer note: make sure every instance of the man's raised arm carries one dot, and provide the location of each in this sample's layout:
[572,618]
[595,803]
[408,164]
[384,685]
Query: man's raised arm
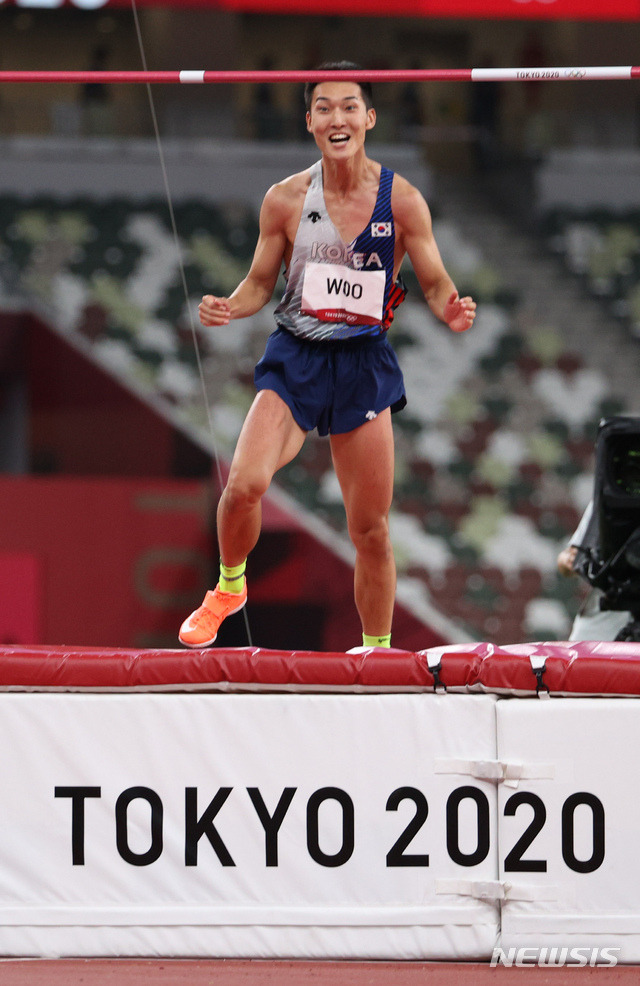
[414,219]
[256,289]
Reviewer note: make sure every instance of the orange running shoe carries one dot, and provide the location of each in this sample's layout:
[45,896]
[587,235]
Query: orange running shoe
[201,628]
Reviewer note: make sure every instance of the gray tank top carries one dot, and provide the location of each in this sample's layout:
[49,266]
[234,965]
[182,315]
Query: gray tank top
[337,290]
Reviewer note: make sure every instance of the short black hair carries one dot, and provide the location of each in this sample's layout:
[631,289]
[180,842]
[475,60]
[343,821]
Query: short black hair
[365,87]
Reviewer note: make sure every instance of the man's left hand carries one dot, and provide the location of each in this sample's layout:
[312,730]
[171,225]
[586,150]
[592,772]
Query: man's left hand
[459,313]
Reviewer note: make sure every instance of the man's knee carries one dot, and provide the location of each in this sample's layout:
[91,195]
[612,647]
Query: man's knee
[371,539]
[243,492]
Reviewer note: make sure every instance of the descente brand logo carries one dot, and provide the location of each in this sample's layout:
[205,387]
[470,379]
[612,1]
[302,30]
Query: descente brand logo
[556,956]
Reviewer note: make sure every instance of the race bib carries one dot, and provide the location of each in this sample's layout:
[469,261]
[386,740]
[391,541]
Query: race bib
[333,293]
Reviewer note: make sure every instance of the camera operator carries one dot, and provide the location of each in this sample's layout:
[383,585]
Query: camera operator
[591,622]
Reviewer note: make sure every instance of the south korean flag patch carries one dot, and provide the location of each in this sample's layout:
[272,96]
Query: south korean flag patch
[381,229]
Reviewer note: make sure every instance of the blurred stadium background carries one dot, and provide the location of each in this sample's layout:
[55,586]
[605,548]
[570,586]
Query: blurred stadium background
[107,482]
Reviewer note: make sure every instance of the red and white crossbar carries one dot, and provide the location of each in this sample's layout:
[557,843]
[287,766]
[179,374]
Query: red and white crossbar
[564,74]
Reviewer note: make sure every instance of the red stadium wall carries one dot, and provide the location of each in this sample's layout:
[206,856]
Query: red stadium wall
[82,421]
[100,559]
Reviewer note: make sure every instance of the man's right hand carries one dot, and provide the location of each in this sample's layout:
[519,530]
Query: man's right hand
[566,560]
[214,311]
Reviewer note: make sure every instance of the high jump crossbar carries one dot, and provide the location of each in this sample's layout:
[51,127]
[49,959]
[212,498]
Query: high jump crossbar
[563,74]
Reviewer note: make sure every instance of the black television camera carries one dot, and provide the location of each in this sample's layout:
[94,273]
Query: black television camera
[609,553]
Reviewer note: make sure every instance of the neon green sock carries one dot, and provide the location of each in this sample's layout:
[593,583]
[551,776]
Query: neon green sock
[232,577]
[369,641]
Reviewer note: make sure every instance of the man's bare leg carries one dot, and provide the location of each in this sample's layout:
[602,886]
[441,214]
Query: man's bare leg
[269,439]
[364,462]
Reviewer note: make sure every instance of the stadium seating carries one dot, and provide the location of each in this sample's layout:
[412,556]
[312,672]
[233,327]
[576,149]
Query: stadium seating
[601,247]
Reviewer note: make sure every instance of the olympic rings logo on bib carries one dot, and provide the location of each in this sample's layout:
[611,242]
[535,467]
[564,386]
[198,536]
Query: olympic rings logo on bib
[335,293]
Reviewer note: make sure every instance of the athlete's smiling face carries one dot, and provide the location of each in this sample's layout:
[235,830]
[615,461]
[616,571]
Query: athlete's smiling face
[339,118]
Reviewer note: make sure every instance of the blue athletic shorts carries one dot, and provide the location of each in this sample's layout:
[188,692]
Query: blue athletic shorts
[332,386]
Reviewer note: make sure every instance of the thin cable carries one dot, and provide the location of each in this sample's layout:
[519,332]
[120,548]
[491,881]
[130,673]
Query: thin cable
[183,276]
